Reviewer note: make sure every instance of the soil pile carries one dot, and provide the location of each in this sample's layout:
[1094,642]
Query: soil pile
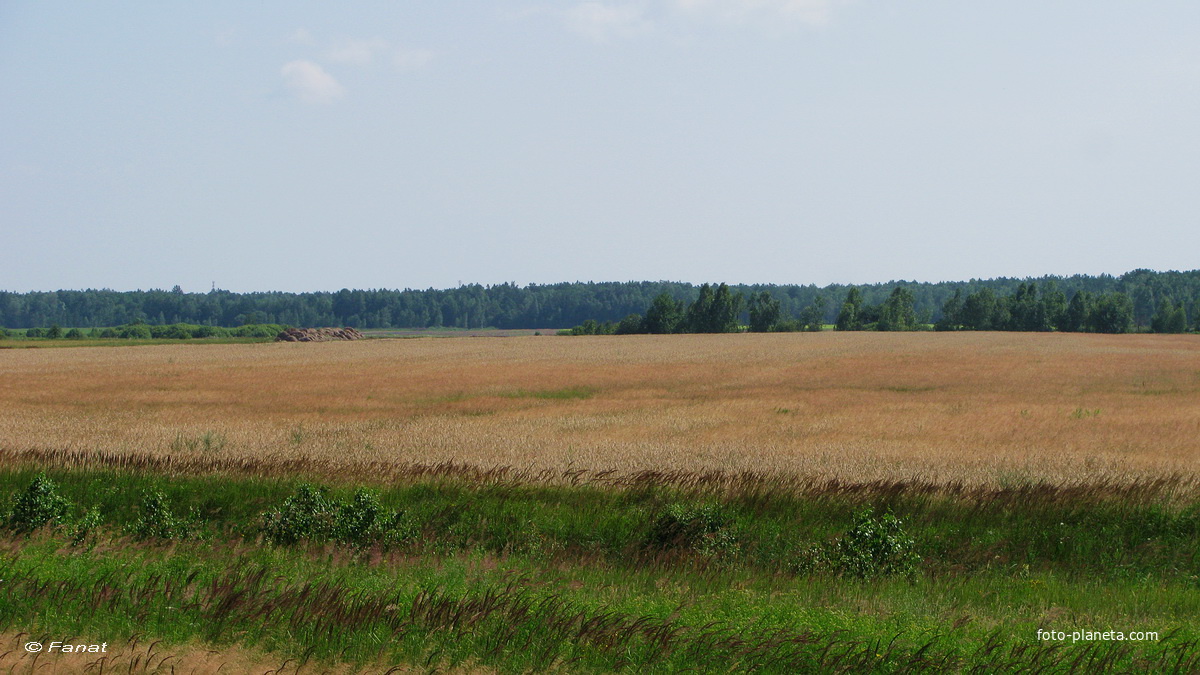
[318,335]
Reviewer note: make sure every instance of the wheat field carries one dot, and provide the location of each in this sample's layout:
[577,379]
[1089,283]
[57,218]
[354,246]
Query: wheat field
[975,408]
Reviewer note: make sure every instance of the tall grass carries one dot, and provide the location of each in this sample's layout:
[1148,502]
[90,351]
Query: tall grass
[447,570]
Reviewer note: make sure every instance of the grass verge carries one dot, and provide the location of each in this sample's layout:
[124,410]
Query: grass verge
[449,572]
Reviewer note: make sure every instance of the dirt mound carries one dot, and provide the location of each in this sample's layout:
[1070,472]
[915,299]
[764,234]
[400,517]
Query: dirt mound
[318,335]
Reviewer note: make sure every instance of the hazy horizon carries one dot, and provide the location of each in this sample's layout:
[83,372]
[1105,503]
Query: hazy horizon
[218,287]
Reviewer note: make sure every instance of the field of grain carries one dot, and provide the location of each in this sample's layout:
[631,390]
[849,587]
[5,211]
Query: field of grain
[982,408]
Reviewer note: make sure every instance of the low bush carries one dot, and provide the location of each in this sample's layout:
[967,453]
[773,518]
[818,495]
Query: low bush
[158,521]
[85,527]
[872,547]
[137,331]
[310,514]
[707,530]
[38,506]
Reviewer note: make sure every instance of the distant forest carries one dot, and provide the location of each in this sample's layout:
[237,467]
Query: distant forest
[545,306]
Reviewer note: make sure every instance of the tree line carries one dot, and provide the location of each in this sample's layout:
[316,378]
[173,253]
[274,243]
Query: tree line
[567,304]
[1028,308]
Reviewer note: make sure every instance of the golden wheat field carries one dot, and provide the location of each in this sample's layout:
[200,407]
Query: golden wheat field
[971,407]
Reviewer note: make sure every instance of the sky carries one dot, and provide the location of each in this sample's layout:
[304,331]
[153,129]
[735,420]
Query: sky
[303,146]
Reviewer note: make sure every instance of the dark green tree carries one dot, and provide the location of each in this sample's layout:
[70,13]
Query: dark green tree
[764,312]
[1026,311]
[951,313]
[813,317]
[848,316]
[716,310]
[1112,313]
[979,310]
[699,312]
[726,308]
[1075,318]
[664,315]
[897,312]
[1054,304]
[630,325]
[1170,318]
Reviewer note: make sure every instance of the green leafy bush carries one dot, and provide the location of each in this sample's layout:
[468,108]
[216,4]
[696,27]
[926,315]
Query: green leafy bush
[257,330]
[310,514]
[85,527]
[39,505]
[175,331]
[136,331]
[158,521]
[707,530]
[872,547]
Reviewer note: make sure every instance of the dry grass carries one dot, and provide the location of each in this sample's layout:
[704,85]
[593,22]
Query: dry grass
[980,408]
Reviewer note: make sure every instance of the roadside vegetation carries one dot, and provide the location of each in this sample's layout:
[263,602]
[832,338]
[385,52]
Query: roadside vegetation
[665,573]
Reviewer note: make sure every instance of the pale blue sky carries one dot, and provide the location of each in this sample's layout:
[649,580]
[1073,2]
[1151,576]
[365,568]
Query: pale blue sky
[315,146]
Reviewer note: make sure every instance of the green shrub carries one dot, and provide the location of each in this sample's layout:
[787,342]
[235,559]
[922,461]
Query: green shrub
[593,327]
[109,333]
[872,547]
[877,547]
[39,505]
[159,522]
[54,332]
[85,527]
[4,334]
[35,332]
[312,515]
[706,530]
[175,331]
[135,331]
[308,514]
[74,334]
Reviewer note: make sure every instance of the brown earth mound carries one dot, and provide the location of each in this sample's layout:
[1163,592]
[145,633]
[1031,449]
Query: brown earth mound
[318,335]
